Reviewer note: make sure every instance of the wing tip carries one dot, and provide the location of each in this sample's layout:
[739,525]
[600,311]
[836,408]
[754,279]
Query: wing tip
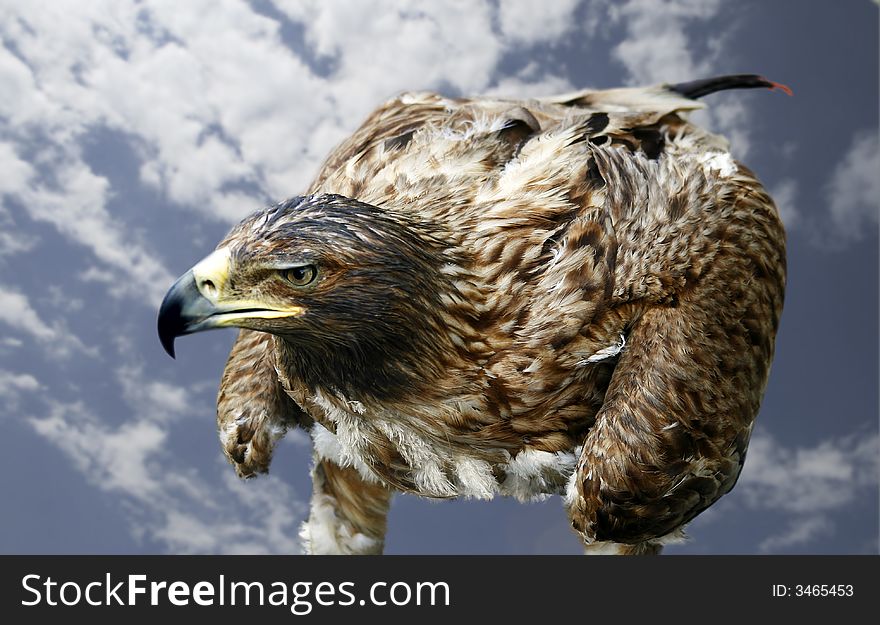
[698,88]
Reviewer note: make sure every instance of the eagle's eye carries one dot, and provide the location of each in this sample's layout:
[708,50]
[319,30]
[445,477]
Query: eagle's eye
[300,276]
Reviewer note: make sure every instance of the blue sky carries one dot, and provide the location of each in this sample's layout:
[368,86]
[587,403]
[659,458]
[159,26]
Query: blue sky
[133,135]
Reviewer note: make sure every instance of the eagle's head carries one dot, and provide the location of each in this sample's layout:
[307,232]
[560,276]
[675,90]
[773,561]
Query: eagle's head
[352,290]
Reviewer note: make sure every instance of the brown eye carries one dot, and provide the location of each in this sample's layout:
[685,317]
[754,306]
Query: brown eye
[300,276]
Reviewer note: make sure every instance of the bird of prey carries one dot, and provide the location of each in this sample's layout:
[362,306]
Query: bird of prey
[574,295]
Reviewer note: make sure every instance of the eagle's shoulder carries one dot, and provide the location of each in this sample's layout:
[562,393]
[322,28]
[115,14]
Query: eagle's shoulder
[448,157]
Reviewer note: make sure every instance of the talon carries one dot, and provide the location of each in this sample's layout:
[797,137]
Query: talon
[238,453]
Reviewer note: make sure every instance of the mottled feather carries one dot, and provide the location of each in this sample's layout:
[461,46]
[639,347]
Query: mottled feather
[575,295]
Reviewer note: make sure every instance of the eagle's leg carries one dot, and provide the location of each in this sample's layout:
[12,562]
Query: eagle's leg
[253,412]
[671,436]
[622,549]
[348,513]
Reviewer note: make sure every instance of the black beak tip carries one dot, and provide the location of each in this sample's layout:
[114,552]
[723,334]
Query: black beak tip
[183,311]
[167,331]
[170,323]
[168,344]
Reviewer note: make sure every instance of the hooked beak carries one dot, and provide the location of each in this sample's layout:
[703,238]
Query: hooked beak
[184,311]
[196,302]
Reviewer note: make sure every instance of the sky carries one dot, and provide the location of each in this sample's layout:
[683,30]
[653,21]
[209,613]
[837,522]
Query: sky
[133,135]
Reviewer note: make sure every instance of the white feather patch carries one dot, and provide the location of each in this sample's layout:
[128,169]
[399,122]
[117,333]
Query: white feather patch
[721,162]
[426,462]
[527,473]
[326,444]
[323,533]
[611,351]
[475,478]
[604,549]
[435,469]
[571,492]
[347,447]
[607,548]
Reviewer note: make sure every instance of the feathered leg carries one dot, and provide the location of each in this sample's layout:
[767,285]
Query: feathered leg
[253,412]
[348,513]
[622,549]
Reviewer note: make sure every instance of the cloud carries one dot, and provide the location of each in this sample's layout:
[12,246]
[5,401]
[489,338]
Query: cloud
[800,531]
[657,47]
[661,46]
[224,107]
[784,194]
[151,398]
[809,479]
[12,244]
[16,311]
[258,517]
[222,112]
[853,191]
[807,484]
[731,118]
[75,203]
[529,82]
[12,386]
[117,459]
[168,501]
[14,382]
[524,21]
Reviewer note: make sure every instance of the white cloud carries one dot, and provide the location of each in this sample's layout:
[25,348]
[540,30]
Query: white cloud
[57,298]
[525,21]
[807,480]
[208,95]
[656,48]
[12,244]
[853,192]
[12,386]
[532,81]
[659,48]
[14,172]
[16,312]
[167,73]
[117,459]
[379,49]
[730,117]
[800,531]
[212,101]
[150,398]
[13,382]
[75,203]
[168,500]
[784,194]
[807,484]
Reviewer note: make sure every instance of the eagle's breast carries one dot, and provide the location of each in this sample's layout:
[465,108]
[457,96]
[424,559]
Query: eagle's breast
[393,448]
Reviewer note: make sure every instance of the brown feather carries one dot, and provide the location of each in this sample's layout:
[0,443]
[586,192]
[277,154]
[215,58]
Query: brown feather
[516,297]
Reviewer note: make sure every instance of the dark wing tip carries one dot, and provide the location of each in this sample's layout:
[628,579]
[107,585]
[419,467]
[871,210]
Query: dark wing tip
[698,88]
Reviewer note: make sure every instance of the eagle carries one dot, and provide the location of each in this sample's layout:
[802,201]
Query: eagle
[574,295]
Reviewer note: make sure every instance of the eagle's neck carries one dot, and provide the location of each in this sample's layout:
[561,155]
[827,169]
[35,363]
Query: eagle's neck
[351,371]
[409,350]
